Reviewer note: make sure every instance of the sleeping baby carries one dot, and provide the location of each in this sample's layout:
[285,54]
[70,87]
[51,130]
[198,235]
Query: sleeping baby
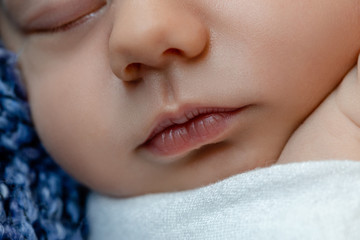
[183,116]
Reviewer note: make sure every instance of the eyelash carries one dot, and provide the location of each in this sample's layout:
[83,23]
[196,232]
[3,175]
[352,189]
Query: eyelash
[69,25]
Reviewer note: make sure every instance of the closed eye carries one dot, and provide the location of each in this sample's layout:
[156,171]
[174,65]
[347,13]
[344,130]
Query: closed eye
[67,24]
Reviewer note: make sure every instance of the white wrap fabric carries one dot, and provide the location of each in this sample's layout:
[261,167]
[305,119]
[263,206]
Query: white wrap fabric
[309,200]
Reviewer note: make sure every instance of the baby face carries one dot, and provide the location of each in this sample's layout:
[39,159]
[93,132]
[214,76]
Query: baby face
[133,97]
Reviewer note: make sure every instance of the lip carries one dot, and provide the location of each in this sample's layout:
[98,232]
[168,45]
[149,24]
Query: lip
[176,133]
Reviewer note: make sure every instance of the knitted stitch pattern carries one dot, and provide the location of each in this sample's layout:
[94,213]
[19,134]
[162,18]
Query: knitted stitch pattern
[37,199]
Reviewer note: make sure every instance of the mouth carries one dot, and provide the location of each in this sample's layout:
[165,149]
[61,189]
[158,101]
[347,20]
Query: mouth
[176,134]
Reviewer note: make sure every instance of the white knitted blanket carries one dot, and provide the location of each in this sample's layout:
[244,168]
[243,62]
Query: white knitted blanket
[310,200]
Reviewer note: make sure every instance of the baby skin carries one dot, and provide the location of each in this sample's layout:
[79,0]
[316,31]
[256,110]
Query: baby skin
[332,130]
[143,96]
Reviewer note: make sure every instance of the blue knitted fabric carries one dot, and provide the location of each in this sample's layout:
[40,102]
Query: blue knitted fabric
[37,199]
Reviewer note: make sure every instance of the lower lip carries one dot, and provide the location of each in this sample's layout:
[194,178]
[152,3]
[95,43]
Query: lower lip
[179,139]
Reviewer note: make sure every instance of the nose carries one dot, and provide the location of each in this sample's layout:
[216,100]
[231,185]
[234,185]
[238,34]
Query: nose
[152,33]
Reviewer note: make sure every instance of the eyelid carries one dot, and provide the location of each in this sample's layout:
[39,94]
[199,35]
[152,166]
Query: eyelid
[50,20]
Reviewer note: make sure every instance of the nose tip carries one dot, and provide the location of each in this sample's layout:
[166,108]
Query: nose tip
[161,35]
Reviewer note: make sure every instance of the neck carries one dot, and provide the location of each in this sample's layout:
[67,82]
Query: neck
[332,131]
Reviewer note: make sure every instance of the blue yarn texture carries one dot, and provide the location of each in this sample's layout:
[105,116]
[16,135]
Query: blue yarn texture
[37,199]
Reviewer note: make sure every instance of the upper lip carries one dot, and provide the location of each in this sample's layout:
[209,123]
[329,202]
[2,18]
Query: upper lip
[169,119]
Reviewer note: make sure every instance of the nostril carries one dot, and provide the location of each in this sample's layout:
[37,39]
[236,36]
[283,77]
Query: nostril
[173,51]
[132,68]
[132,72]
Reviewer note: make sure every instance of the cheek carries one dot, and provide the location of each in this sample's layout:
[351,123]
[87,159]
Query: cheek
[67,119]
[300,48]
[74,110]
